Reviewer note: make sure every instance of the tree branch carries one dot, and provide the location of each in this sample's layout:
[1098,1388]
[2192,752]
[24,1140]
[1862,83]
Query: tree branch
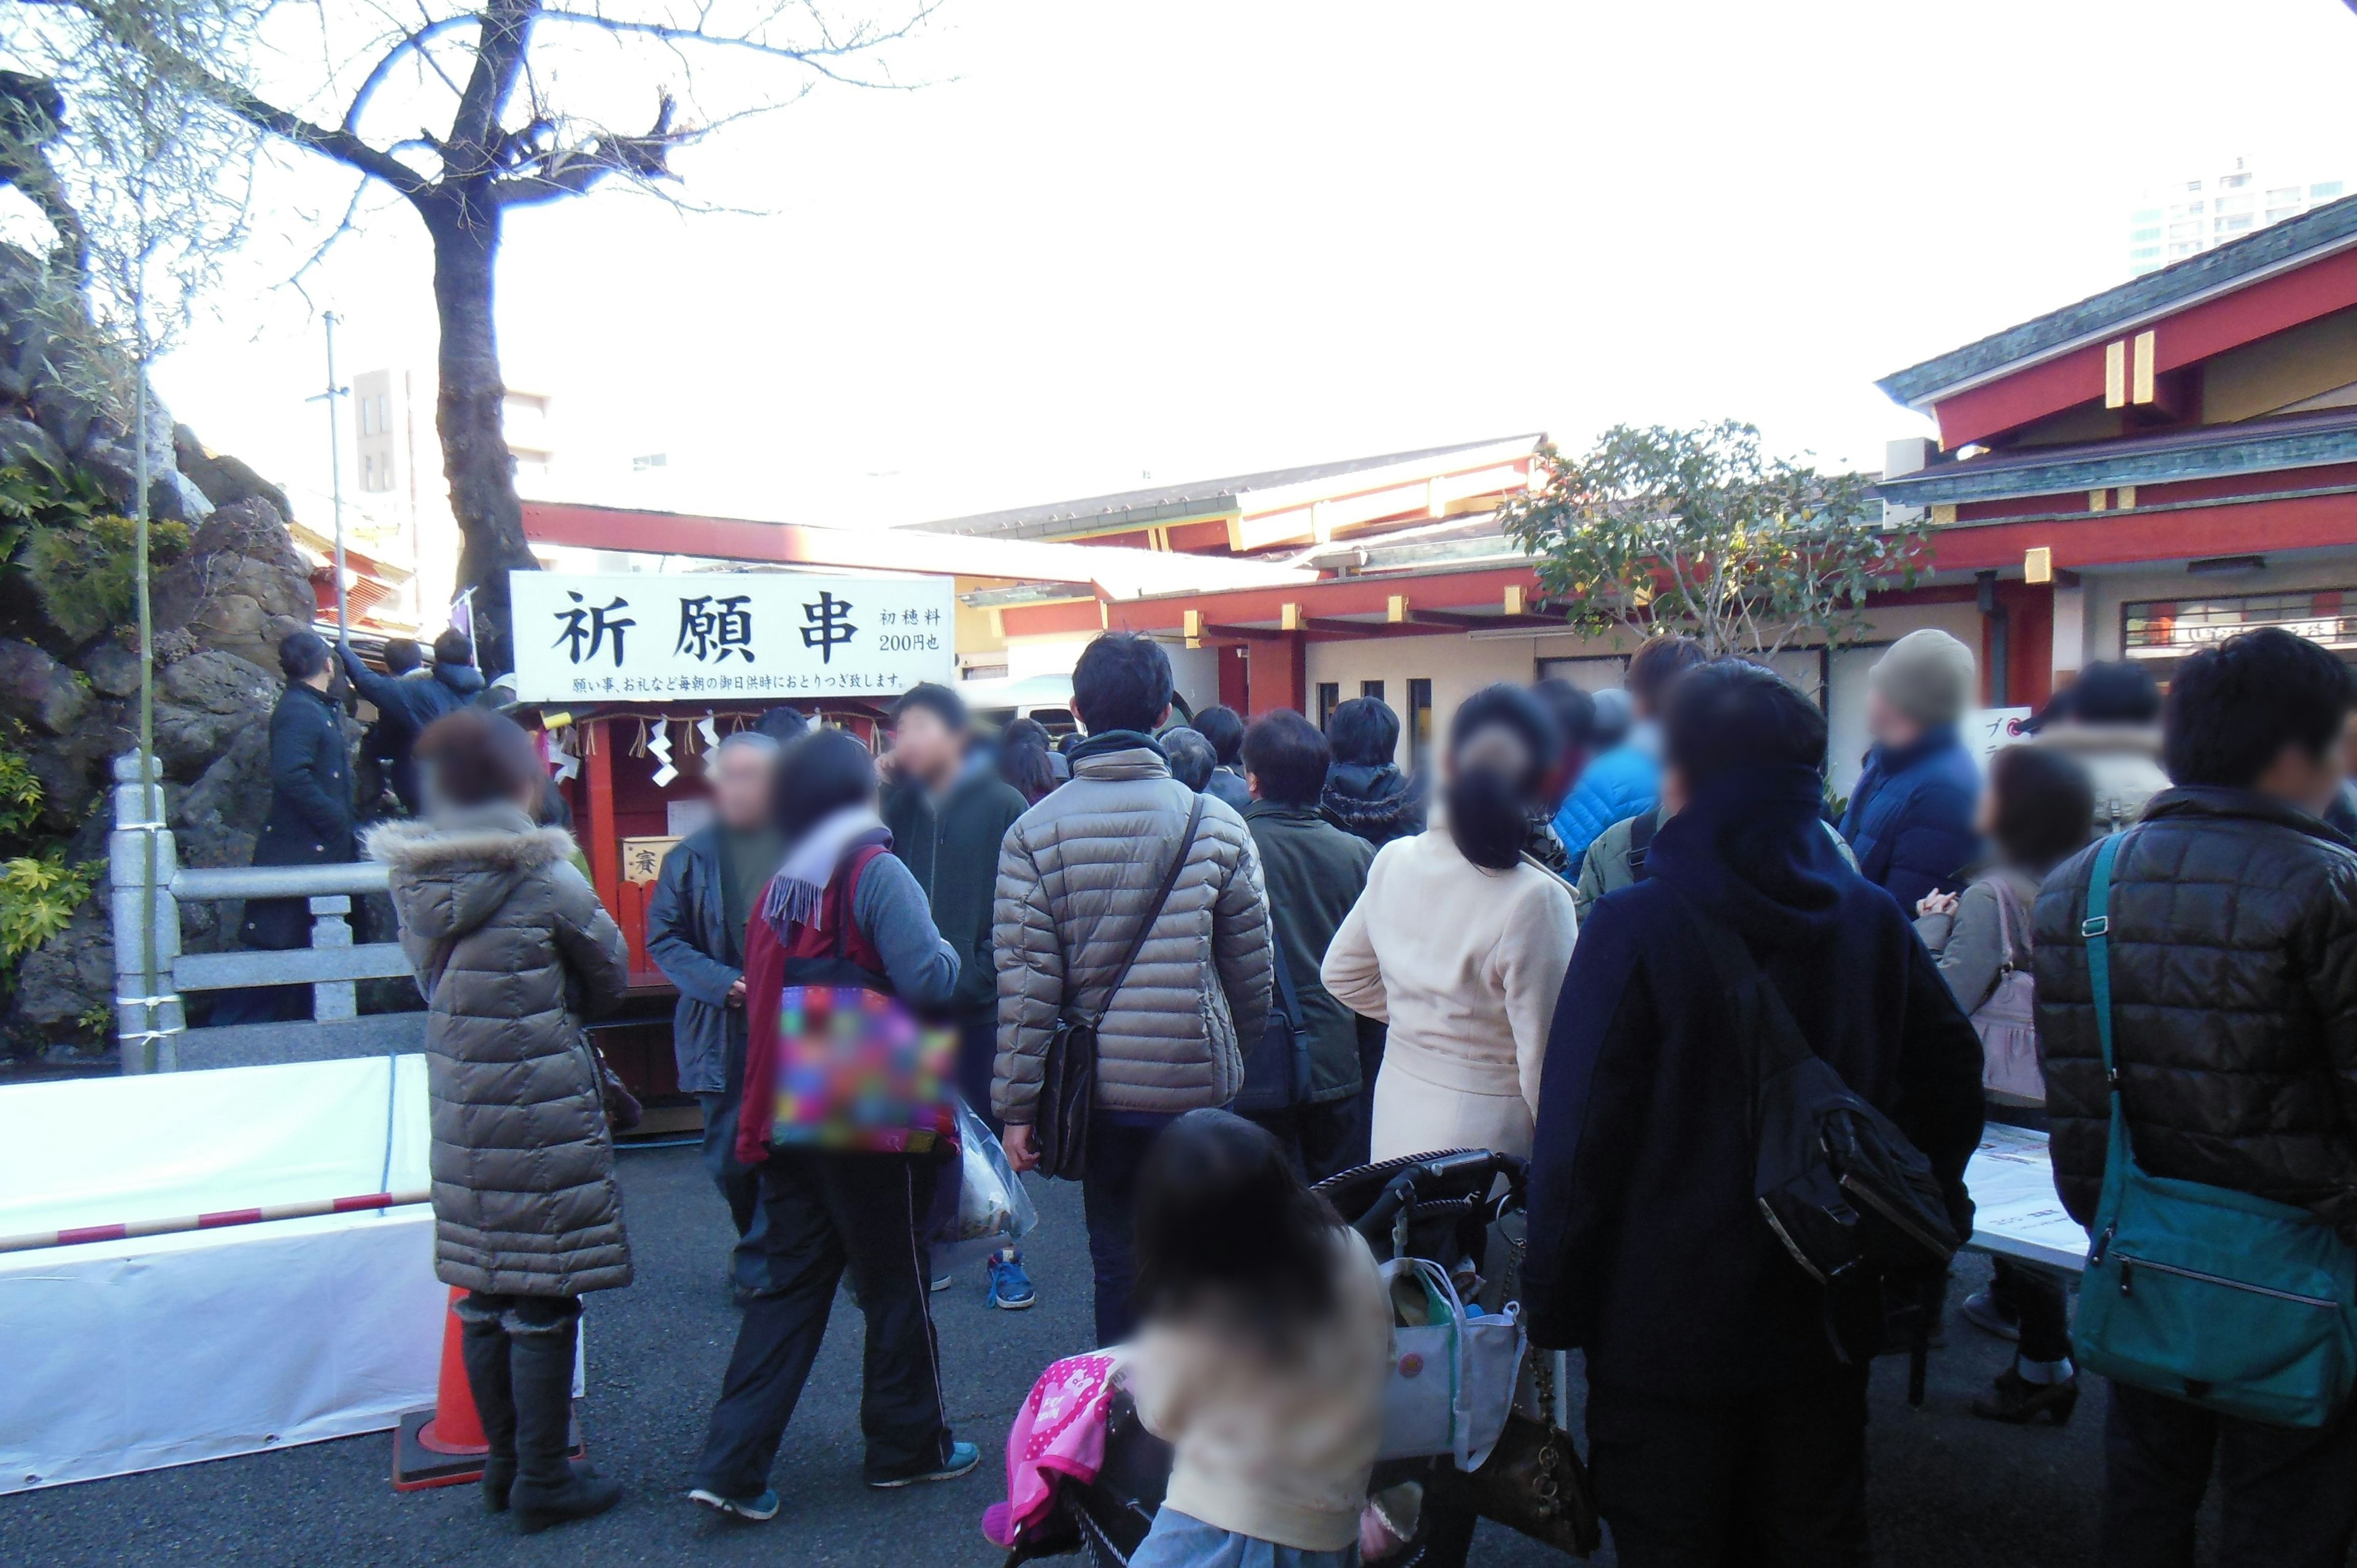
[383,68]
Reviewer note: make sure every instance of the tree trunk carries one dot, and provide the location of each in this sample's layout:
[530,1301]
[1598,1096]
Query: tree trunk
[468,418]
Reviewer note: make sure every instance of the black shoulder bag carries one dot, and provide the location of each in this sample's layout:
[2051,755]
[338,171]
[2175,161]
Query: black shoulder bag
[1067,1074]
[1850,1198]
[1277,1067]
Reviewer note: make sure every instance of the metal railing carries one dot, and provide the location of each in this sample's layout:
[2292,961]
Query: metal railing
[151,1026]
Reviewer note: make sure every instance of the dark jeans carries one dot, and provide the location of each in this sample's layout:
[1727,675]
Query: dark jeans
[1770,1478]
[1109,1203]
[2288,1497]
[739,1184]
[1319,1138]
[2041,1304]
[829,1212]
[977,1061]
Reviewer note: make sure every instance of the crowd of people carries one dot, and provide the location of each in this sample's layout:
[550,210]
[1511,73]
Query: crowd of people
[1564,942]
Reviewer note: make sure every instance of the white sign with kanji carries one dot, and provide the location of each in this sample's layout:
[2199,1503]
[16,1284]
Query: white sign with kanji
[774,636]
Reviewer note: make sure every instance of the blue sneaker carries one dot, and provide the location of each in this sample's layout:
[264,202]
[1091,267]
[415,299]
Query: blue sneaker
[1010,1287]
[756,1509]
[964,1458]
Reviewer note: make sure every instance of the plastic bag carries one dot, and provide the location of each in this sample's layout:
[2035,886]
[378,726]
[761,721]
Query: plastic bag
[992,1209]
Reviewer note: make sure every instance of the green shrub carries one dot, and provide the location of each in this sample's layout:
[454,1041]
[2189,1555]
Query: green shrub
[38,895]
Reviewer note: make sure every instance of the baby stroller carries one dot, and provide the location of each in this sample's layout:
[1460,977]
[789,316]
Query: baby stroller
[1440,1206]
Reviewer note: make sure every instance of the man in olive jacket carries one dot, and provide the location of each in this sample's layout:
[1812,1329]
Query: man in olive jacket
[1076,878]
[1315,872]
[2233,931]
[949,812]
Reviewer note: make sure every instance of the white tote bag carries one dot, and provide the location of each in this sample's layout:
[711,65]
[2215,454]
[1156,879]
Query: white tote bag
[1452,1379]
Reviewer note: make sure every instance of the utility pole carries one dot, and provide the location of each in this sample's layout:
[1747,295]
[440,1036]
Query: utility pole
[334,392]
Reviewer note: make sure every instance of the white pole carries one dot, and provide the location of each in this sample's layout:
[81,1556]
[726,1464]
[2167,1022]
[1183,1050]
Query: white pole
[336,479]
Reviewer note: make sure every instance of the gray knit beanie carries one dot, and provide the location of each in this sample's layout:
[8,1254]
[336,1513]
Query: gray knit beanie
[1927,675]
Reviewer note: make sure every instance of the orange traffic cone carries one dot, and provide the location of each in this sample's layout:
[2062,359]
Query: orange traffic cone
[443,1446]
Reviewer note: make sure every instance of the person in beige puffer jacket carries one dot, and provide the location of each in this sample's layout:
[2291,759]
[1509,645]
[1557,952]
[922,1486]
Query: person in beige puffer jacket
[512,951]
[1076,874]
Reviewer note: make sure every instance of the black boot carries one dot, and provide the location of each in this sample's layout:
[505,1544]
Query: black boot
[550,1488]
[483,1347]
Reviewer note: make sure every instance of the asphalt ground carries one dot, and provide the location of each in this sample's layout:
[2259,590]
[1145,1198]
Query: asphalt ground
[1946,1488]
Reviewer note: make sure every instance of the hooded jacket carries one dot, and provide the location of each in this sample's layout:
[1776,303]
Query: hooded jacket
[512,951]
[1075,876]
[2234,940]
[1377,804]
[1646,1246]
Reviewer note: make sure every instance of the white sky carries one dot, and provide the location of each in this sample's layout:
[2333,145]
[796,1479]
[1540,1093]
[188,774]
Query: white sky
[1113,240]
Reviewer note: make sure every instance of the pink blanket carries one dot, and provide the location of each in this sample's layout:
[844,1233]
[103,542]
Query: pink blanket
[1059,1432]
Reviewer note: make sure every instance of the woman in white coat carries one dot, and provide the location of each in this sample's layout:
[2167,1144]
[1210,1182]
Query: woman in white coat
[1460,943]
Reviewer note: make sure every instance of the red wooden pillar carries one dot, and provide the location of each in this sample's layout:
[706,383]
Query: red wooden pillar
[601,835]
[1235,691]
[1279,674]
[2028,610]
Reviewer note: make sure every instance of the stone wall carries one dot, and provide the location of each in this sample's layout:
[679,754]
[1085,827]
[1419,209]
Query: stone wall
[220,611]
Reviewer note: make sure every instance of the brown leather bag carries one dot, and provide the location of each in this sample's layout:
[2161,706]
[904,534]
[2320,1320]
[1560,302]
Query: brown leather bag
[1533,1482]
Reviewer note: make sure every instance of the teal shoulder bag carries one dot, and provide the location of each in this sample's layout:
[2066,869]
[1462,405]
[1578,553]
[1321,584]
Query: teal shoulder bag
[2234,1303]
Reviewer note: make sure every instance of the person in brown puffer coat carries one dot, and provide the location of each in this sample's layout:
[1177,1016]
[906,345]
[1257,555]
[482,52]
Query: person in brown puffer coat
[512,951]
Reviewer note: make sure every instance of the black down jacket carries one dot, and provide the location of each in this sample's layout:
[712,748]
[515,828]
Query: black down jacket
[2234,940]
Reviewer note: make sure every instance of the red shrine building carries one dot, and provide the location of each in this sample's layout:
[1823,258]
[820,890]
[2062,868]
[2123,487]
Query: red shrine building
[2155,467]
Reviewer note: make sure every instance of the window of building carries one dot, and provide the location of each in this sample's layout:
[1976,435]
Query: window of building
[1371,689]
[2142,236]
[2233,181]
[2287,197]
[2145,254]
[2192,184]
[368,470]
[2277,214]
[2144,215]
[2185,248]
[1419,724]
[2236,224]
[1330,696]
[2234,204]
[2329,191]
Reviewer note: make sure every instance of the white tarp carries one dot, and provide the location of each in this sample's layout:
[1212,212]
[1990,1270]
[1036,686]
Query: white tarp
[2015,1209]
[133,1354]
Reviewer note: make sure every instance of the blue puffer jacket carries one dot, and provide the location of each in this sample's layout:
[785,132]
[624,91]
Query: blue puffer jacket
[1910,818]
[1618,785]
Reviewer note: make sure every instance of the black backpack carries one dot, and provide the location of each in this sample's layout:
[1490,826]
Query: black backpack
[1852,1201]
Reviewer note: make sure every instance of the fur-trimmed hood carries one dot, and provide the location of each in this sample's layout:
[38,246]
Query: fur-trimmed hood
[451,872]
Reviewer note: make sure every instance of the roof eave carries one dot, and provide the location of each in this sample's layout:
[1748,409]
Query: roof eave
[2279,247]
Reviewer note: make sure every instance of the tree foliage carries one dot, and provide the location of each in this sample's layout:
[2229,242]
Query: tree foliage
[1702,531]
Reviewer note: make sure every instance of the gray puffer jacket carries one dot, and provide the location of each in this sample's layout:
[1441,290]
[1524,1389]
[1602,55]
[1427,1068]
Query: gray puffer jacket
[1075,876]
[512,951]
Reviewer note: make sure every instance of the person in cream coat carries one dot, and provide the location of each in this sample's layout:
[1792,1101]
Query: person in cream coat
[1460,943]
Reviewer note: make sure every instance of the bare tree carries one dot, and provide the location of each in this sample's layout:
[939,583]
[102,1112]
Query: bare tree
[505,82]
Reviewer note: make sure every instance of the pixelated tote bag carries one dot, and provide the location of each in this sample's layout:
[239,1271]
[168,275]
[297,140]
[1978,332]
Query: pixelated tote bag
[856,1072]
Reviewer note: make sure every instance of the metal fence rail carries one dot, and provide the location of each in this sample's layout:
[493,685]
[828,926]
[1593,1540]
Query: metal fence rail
[152,1027]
